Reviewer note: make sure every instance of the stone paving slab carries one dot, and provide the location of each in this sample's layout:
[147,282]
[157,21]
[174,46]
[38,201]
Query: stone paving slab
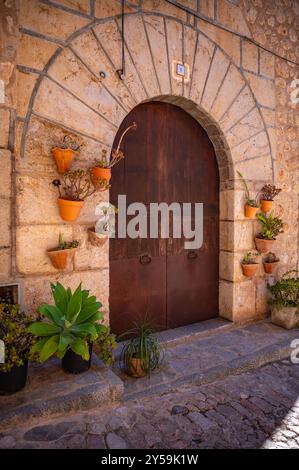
[50,391]
[256,409]
[211,357]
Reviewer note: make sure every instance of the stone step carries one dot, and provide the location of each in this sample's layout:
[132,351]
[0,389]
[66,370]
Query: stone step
[186,334]
[213,357]
[50,392]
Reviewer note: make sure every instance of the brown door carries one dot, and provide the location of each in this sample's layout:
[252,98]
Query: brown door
[168,159]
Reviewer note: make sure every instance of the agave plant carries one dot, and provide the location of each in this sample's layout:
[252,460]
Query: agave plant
[72,323]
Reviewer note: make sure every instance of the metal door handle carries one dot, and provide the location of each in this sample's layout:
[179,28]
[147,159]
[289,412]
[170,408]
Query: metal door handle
[145,259]
[192,255]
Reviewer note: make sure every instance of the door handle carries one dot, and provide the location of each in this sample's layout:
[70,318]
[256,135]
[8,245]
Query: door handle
[192,254]
[145,258]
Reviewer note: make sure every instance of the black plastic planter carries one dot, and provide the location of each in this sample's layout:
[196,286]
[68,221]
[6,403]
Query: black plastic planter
[14,380]
[74,364]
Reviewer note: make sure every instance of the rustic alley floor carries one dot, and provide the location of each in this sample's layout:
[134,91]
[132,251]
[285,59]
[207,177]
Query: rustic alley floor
[251,410]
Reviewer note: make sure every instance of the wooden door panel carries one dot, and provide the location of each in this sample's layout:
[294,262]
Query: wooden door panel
[168,159]
[137,291]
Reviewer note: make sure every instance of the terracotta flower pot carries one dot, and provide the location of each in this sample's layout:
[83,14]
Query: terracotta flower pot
[264,246]
[270,267]
[266,206]
[59,258]
[99,175]
[249,270]
[286,317]
[250,211]
[63,158]
[96,239]
[136,369]
[69,210]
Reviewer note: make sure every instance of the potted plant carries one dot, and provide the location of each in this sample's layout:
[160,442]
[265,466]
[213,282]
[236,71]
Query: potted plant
[249,264]
[65,251]
[142,354]
[65,154]
[106,344]
[268,193]
[271,227]
[74,187]
[285,301]
[101,171]
[105,226]
[17,344]
[251,205]
[270,263]
[69,328]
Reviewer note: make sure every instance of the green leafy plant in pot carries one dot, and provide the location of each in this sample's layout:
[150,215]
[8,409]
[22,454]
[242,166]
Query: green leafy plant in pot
[143,353]
[285,300]
[251,205]
[271,226]
[69,328]
[17,343]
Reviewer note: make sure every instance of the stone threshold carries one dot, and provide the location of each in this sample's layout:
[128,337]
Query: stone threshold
[208,357]
[185,334]
[50,392]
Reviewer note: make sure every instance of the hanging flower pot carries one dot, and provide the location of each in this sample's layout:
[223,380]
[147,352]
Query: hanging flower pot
[272,226]
[65,154]
[250,211]
[101,172]
[263,245]
[100,177]
[268,193]
[69,210]
[249,264]
[64,252]
[270,263]
[266,206]
[74,188]
[96,239]
[63,158]
[251,205]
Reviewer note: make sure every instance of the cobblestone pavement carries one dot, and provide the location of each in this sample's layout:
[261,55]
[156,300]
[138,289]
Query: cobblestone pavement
[251,410]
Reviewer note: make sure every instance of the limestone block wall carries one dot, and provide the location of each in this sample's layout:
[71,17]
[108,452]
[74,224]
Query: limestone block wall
[237,92]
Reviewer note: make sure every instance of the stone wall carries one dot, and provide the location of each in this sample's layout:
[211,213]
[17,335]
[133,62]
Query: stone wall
[237,92]
[9,37]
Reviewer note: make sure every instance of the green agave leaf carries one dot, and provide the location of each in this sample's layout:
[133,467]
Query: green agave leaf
[64,341]
[38,346]
[80,347]
[88,312]
[43,329]
[60,297]
[87,328]
[49,348]
[53,313]
[98,316]
[74,305]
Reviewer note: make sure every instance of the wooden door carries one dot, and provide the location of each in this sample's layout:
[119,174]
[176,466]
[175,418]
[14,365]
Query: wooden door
[168,159]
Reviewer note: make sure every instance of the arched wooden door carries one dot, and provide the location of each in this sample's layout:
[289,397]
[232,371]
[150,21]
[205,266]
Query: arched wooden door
[168,159]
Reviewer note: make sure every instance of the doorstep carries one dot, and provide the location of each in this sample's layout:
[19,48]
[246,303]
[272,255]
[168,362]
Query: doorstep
[209,355]
[50,392]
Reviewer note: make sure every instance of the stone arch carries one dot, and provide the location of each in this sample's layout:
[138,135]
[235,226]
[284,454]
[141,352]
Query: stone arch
[153,41]
[70,95]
